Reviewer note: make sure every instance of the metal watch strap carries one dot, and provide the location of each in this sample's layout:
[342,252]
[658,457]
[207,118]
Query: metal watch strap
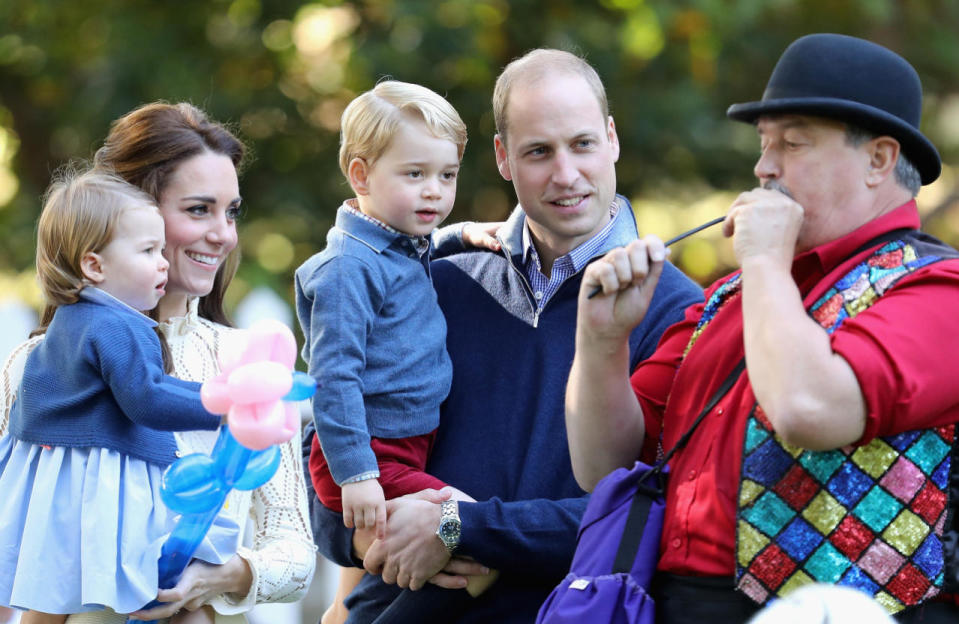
[449,528]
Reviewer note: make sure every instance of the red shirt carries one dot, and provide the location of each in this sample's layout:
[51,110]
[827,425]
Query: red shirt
[902,350]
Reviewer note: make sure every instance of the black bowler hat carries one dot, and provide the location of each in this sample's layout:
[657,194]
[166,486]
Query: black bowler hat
[850,80]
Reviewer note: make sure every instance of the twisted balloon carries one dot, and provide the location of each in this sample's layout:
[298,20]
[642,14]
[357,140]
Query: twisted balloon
[257,389]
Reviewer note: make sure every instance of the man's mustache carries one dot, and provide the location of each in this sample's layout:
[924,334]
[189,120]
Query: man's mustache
[776,185]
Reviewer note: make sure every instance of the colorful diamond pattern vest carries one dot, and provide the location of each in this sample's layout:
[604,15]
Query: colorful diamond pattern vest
[870,517]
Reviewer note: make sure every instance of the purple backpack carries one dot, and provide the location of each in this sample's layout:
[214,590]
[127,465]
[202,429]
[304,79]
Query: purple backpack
[618,543]
[616,552]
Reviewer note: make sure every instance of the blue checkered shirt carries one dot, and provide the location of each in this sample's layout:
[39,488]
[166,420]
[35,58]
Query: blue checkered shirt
[566,265]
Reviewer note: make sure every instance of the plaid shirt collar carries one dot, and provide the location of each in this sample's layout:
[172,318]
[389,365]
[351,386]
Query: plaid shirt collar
[564,266]
[577,257]
[420,243]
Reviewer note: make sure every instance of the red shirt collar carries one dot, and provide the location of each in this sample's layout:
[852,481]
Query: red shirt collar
[810,266]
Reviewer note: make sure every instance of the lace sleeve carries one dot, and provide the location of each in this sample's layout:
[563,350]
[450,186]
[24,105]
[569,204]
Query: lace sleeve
[10,377]
[283,556]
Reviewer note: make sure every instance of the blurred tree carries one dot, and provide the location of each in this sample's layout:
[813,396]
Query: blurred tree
[282,71]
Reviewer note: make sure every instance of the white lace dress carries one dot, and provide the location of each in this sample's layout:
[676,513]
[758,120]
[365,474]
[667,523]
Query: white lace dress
[280,549]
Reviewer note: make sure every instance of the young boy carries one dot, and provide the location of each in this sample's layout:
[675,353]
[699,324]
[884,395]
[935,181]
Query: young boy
[375,335]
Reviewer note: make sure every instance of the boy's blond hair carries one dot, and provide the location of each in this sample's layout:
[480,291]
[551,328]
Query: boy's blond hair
[534,66]
[80,215]
[372,119]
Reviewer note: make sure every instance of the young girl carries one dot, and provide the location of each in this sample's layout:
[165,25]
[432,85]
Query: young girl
[82,524]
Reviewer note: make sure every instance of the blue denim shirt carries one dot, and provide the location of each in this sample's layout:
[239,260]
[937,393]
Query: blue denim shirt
[375,342]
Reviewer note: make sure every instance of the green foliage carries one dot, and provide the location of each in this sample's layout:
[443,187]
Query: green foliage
[281,72]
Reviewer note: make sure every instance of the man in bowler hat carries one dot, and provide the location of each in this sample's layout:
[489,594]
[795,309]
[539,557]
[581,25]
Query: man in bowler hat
[830,457]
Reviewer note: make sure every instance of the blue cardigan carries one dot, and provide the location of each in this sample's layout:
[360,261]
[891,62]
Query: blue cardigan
[502,434]
[375,342]
[96,380]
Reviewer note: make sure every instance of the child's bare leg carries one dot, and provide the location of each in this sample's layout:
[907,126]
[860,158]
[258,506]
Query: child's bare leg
[476,585]
[337,612]
[38,617]
[203,615]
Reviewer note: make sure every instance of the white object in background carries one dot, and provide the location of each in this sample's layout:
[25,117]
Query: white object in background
[276,612]
[17,320]
[260,303]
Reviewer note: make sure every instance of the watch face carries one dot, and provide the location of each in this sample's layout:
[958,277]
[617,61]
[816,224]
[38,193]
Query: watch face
[449,531]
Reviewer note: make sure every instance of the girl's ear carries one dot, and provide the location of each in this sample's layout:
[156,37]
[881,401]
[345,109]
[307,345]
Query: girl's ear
[91,267]
[359,172]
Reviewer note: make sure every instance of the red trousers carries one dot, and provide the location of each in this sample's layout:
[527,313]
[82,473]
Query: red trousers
[401,462]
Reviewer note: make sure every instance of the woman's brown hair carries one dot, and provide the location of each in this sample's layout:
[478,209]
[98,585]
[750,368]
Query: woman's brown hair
[145,146]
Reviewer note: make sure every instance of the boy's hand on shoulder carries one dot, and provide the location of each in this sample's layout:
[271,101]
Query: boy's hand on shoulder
[482,235]
[364,506]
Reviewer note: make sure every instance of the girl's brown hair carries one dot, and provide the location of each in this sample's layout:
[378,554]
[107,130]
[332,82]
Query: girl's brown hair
[80,214]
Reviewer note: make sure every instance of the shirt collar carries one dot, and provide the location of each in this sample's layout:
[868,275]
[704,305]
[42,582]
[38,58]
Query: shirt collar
[95,295]
[183,325]
[821,260]
[583,252]
[372,231]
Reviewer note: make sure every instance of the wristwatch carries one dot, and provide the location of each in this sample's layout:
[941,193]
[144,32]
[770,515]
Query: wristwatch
[450,525]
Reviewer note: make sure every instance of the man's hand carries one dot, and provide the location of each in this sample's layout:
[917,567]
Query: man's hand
[454,575]
[411,552]
[628,277]
[363,539]
[364,506]
[764,224]
[604,422]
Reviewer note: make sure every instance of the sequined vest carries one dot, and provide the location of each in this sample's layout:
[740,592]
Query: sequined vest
[871,517]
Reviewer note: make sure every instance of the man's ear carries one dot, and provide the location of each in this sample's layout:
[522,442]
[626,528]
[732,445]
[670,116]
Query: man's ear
[883,153]
[92,267]
[613,138]
[359,175]
[502,161]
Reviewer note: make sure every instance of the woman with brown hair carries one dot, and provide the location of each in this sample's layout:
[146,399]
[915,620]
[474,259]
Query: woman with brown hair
[190,164]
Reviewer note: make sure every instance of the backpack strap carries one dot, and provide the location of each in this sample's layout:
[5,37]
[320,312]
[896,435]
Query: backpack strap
[643,499]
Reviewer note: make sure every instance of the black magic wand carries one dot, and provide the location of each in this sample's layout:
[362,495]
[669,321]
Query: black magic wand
[674,239]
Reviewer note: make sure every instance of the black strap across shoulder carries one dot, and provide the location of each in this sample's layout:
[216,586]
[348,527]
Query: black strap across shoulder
[645,492]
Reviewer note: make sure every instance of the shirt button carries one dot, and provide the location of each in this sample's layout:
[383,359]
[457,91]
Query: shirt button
[692,475]
[677,542]
[719,410]
[178,453]
[538,295]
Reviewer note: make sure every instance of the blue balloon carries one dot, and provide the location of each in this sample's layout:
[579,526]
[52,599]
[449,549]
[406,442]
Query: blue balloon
[196,486]
[190,485]
[304,387]
[260,469]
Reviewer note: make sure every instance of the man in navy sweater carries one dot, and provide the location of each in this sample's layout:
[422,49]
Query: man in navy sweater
[511,320]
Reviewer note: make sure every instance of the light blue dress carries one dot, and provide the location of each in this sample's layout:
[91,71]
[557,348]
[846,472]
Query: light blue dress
[81,529]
